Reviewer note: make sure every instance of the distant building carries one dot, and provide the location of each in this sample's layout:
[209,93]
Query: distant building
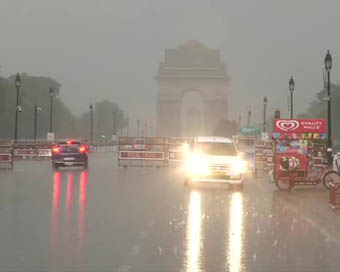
[193,91]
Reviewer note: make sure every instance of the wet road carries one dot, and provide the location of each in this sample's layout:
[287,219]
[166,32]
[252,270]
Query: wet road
[110,219]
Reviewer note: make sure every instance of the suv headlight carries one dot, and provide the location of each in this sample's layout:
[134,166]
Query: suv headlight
[239,166]
[197,165]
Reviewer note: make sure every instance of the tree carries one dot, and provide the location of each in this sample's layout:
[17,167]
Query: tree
[35,91]
[107,118]
[318,109]
[226,128]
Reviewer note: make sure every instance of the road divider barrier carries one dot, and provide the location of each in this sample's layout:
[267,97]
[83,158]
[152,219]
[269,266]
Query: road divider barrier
[334,200]
[142,152]
[176,151]
[6,153]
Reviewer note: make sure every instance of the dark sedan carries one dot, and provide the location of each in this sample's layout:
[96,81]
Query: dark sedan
[69,153]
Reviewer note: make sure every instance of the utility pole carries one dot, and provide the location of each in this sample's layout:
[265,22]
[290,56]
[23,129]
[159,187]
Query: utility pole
[249,117]
[328,66]
[36,111]
[51,107]
[265,101]
[91,121]
[18,107]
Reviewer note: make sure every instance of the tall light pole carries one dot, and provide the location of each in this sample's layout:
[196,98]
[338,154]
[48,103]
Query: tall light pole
[265,102]
[137,128]
[328,66]
[18,107]
[249,117]
[91,121]
[51,92]
[127,126]
[114,122]
[239,122]
[291,89]
[36,111]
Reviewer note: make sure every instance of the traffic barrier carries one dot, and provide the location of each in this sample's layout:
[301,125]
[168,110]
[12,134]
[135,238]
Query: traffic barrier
[103,148]
[334,200]
[6,153]
[176,151]
[142,152]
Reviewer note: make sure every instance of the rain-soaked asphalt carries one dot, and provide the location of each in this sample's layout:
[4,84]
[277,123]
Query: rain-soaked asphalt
[144,219]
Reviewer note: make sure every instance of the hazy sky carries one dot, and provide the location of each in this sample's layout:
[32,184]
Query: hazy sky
[110,49]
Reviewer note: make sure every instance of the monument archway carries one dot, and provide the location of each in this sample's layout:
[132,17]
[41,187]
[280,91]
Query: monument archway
[193,91]
[192,114]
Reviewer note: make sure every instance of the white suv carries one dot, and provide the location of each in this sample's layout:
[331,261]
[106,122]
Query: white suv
[214,160]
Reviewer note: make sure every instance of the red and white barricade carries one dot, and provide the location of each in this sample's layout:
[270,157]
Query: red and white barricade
[334,200]
[142,152]
[6,153]
[177,148]
[29,149]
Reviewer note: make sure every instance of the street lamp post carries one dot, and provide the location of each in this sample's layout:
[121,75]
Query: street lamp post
[137,128]
[328,66]
[51,107]
[249,117]
[36,111]
[127,127]
[265,102]
[91,121]
[291,89]
[114,122]
[18,107]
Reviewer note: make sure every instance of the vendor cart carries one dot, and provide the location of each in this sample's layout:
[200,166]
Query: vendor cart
[300,154]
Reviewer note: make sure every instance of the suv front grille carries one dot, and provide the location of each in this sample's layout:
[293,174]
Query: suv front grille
[222,167]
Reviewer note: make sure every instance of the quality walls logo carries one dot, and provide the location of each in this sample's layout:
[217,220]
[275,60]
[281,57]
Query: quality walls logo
[288,125]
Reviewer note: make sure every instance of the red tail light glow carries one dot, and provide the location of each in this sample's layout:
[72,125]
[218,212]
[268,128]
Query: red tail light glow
[56,149]
[83,149]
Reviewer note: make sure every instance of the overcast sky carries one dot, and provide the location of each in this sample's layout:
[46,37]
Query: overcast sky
[110,49]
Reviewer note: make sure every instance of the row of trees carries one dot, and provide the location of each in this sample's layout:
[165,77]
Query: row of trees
[318,109]
[35,91]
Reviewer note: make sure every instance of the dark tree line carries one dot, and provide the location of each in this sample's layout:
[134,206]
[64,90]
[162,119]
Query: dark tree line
[35,91]
[318,109]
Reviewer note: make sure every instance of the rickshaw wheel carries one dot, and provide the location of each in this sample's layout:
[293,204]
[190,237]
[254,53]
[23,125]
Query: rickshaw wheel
[284,185]
[331,176]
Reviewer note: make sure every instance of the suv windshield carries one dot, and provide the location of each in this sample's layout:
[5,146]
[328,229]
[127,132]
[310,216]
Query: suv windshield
[226,149]
[245,143]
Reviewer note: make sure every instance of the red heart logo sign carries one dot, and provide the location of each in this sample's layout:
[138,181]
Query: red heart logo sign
[287,125]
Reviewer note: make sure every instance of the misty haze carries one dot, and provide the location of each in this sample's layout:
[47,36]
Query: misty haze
[169,135]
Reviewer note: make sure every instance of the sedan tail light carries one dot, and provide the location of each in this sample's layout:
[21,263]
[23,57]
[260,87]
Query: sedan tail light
[56,149]
[83,149]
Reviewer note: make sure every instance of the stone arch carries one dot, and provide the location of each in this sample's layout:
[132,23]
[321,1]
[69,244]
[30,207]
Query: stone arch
[192,115]
[191,68]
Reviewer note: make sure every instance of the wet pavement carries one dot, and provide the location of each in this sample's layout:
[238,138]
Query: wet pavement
[145,219]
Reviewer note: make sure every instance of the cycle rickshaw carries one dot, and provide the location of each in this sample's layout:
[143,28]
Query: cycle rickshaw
[300,154]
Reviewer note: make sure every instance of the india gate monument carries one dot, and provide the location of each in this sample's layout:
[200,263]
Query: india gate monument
[193,91]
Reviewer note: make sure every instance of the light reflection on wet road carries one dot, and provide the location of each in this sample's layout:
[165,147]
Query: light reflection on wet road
[110,219]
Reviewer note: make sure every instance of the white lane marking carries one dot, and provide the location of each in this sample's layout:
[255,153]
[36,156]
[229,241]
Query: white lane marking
[124,268]
[134,252]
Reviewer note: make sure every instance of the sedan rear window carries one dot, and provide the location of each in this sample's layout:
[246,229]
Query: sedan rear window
[65,144]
